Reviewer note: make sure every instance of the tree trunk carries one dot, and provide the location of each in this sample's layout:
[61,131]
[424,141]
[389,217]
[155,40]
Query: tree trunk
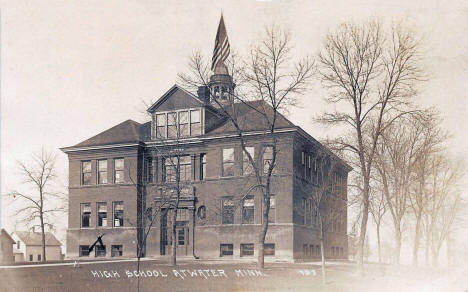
[362,235]
[378,244]
[397,245]
[43,238]
[261,242]
[174,239]
[417,232]
[138,273]
[449,251]
[322,251]
[426,251]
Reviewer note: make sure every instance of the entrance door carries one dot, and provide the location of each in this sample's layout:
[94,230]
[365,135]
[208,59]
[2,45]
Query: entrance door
[182,234]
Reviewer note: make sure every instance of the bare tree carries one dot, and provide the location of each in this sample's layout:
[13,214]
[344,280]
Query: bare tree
[327,199]
[431,142]
[444,202]
[269,76]
[372,76]
[41,202]
[396,156]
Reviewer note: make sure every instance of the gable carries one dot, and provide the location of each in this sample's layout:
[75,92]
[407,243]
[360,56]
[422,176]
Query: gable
[174,99]
[6,236]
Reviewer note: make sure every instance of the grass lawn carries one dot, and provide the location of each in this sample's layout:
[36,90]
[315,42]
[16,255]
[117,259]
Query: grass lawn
[191,275]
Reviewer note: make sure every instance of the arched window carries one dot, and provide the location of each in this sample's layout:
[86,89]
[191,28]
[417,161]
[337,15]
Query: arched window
[216,92]
[224,92]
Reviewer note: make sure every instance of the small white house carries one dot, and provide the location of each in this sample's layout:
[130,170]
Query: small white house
[28,247]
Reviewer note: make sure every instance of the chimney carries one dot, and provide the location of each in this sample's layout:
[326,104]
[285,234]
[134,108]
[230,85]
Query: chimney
[203,93]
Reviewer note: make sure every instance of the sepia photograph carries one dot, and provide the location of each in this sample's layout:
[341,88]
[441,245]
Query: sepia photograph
[252,145]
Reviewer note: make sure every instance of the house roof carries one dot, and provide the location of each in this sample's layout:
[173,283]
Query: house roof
[35,238]
[250,117]
[5,234]
[125,132]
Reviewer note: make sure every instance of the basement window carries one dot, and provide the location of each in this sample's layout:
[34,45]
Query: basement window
[226,249]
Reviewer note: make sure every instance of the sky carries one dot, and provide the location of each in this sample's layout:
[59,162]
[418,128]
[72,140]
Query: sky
[71,69]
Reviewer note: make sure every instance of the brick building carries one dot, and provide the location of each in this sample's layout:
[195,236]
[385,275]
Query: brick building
[108,172]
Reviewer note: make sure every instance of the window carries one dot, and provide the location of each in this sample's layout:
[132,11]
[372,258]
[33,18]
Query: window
[311,250]
[309,167]
[84,251]
[85,214]
[118,170]
[269,249]
[228,162]
[161,126]
[18,244]
[118,214]
[246,249]
[202,166]
[100,250]
[224,91]
[267,158]
[315,169]
[116,250]
[149,169]
[305,248]
[38,257]
[86,172]
[183,124]
[185,168]
[272,214]
[102,171]
[308,213]
[303,211]
[31,258]
[101,214]
[247,167]
[303,163]
[225,249]
[170,169]
[248,208]
[181,237]
[170,166]
[227,212]
[172,125]
[195,123]
[317,249]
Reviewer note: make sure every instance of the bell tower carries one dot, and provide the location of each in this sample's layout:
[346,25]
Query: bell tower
[221,85]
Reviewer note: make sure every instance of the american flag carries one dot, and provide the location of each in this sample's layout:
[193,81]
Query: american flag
[221,49]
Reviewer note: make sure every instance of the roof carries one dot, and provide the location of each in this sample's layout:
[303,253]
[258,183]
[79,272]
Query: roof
[35,238]
[125,132]
[5,234]
[250,118]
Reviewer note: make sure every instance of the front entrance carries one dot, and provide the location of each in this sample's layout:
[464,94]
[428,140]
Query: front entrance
[182,233]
